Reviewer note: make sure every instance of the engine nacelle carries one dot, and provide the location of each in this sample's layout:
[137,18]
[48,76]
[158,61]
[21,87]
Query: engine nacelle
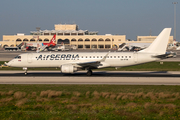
[68,68]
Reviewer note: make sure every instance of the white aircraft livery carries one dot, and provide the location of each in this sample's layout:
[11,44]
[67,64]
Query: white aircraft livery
[74,61]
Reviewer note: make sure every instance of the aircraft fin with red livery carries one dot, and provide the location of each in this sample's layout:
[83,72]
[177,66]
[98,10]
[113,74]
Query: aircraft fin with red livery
[53,40]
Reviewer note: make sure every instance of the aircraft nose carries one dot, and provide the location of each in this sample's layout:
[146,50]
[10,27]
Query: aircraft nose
[8,64]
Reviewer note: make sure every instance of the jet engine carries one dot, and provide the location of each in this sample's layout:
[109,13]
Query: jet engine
[68,68]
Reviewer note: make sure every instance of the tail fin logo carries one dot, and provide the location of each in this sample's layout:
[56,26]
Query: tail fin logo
[53,40]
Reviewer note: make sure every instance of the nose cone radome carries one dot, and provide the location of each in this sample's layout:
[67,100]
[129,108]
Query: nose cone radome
[9,63]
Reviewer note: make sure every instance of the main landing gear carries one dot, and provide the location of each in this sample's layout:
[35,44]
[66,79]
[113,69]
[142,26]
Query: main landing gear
[25,73]
[89,72]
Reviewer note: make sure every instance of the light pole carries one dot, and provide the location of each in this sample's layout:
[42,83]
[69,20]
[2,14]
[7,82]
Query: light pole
[175,19]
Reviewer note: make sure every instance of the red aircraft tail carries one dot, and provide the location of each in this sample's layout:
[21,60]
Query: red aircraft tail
[53,40]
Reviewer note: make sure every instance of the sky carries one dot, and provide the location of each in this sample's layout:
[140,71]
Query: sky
[123,17]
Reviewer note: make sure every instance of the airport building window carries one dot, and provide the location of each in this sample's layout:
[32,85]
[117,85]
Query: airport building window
[66,33]
[87,39]
[18,40]
[80,33]
[25,40]
[100,46]
[60,33]
[80,46]
[32,40]
[66,41]
[80,39]
[94,46]
[73,33]
[53,33]
[46,40]
[87,46]
[100,39]
[40,40]
[107,39]
[107,46]
[60,41]
[46,33]
[5,46]
[93,39]
[73,40]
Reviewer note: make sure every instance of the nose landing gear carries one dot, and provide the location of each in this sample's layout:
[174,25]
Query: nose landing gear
[24,68]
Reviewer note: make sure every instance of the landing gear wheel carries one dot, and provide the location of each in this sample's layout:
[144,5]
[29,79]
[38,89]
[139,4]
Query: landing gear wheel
[25,73]
[89,73]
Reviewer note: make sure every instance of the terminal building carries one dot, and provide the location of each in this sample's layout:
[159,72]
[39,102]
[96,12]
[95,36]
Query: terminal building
[70,34]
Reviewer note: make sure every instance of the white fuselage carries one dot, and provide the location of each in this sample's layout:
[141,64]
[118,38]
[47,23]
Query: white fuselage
[56,59]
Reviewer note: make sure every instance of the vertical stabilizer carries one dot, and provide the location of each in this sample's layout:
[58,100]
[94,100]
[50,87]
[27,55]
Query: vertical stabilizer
[159,45]
[53,40]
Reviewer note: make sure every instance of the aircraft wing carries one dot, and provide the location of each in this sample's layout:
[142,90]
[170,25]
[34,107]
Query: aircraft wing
[92,64]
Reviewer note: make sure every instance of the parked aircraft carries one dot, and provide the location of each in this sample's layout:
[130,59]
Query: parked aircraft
[75,61]
[41,46]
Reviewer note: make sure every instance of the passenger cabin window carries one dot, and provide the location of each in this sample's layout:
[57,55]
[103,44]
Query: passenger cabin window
[129,56]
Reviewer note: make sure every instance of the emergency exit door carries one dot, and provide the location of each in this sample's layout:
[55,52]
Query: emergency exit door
[29,57]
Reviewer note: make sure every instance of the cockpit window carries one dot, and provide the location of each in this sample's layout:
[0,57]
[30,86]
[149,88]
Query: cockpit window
[18,57]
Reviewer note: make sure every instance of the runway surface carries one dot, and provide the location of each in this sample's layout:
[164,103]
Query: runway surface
[98,77]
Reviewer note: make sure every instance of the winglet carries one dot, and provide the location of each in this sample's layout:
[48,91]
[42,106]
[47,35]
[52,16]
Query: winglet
[159,45]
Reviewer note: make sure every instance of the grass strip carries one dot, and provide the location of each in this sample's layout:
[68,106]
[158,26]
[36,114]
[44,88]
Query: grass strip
[91,102]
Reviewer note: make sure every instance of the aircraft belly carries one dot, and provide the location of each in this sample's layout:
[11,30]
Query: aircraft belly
[120,62]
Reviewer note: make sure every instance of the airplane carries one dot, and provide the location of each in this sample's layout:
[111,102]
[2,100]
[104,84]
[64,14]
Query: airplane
[75,61]
[42,46]
[133,46]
